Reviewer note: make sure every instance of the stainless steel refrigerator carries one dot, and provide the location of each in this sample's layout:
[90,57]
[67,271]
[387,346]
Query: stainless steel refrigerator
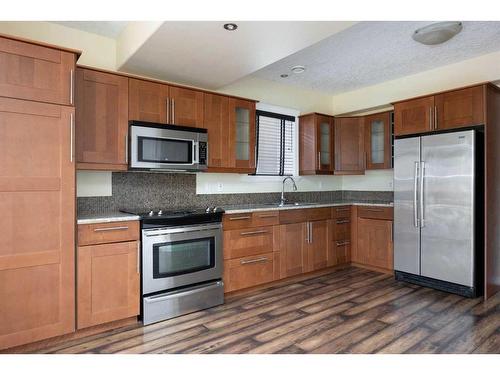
[437,211]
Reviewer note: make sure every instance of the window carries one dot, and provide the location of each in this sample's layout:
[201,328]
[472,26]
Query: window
[275,145]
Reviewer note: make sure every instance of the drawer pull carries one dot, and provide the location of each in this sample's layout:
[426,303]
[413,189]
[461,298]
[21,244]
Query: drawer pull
[240,218]
[343,221]
[253,233]
[342,209]
[267,216]
[110,229]
[374,209]
[343,243]
[258,260]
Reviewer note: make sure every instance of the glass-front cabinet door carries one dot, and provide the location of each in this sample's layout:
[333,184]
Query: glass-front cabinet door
[324,143]
[242,139]
[378,141]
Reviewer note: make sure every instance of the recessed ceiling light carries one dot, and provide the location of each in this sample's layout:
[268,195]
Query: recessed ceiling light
[437,33]
[298,69]
[230,26]
[284,75]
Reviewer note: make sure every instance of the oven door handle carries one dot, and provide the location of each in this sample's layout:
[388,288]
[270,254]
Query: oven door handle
[171,295]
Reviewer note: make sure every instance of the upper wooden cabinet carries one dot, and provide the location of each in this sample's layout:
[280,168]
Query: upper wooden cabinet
[316,144]
[37,174]
[241,135]
[446,110]
[350,155]
[101,120]
[161,103]
[455,109]
[35,72]
[216,121]
[378,141]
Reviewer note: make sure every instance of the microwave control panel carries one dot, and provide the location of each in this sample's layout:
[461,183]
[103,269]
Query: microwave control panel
[202,153]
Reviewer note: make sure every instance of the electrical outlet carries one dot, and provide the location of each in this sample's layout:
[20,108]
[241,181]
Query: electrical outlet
[220,187]
[391,184]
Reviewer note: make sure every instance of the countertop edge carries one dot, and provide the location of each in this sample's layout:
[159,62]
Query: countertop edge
[319,205]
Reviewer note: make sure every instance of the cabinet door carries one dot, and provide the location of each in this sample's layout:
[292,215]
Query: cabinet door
[108,282]
[242,135]
[216,121]
[324,129]
[375,243]
[460,108]
[349,145]
[148,101]
[186,107]
[293,249]
[249,271]
[101,120]
[33,72]
[318,245]
[414,116]
[378,141]
[37,175]
[308,153]
[339,244]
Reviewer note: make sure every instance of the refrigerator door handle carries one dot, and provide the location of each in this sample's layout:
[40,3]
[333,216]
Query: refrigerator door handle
[422,205]
[415,195]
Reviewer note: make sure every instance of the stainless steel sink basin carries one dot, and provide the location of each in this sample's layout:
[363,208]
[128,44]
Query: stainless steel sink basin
[288,204]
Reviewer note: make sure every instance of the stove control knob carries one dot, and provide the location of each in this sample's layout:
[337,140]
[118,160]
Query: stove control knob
[208,209]
[216,209]
[151,213]
[160,213]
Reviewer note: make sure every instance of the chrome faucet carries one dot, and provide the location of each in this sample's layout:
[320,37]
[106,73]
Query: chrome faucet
[283,199]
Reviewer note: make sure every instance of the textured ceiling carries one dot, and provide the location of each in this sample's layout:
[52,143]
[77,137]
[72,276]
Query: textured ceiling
[372,52]
[110,29]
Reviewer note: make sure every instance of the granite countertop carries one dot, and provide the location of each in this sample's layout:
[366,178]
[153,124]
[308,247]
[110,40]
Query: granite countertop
[240,209]
[108,217]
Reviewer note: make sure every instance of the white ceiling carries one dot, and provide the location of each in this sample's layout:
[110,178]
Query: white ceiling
[110,29]
[205,54]
[372,52]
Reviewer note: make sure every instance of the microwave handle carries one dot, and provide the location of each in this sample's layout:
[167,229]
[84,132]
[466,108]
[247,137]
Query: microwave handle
[196,159]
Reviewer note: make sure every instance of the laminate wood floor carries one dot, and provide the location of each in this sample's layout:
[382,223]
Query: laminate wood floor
[352,310]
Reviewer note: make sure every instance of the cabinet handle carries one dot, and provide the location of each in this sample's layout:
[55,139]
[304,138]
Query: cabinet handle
[126,149]
[138,255]
[173,111]
[343,221]
[71,86]
[258,260]
[311,232]
[253,233]
[167,118]
[343,243]
[71,136]
[342,209]
[239,218]
[374,209]
[319,159]
[392,232]
[307,233]
[267,216]
[110,229]
[435,117]
[431,123]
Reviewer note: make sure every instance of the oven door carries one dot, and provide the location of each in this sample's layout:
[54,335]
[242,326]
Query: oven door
[174,257]
[162,148]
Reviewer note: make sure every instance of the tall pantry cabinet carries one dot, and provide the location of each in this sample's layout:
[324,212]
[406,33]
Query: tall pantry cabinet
[37,192]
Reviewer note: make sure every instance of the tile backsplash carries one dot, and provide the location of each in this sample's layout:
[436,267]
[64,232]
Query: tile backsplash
[146,190]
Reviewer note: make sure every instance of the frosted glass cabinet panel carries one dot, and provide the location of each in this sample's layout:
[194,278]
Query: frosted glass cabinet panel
[242,139]
[378,141]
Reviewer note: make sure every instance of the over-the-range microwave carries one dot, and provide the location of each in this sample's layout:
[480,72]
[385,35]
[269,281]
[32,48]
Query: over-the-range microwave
[164,147]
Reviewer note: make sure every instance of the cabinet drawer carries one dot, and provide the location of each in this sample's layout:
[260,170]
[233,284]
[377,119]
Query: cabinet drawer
[249,271]
[250,219]
[249,241]
[341,251]
[341,212]
[373,212]
[91,234]
[302,215]
[342,229]
[266,218]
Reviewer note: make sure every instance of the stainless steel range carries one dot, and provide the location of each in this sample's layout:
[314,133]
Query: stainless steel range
[181,261]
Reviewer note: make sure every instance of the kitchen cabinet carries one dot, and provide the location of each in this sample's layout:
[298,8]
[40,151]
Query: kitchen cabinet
[250,271]
[378,141]
[374,238]
[108,274]
[339,238]
[161,103]
[108,282]
[350,155]
[101,120]
[216,121]
[37,267]
[459,108]
[317,245]
[316,144]
[446,110]
[36,72]
[293,249]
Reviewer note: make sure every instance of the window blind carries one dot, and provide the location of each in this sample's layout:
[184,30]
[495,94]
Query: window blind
[275,154]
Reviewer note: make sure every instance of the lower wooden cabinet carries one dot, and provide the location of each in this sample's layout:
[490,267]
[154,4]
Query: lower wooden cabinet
[250,271]
[293,249]
[108,283]
[317,245]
